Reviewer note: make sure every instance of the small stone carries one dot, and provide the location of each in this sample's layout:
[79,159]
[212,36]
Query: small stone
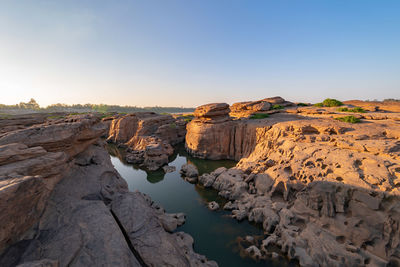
[213,205]
[168,169]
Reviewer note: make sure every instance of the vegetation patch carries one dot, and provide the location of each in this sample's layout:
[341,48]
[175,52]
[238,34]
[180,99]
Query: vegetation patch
[302,105]
[354,110]
[329,102]
[258,116]
[55,117]
[277,107]
[187,117]
[350,119]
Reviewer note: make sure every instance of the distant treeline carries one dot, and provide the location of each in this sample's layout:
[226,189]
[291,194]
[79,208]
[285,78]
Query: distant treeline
[32,105]
[384,100]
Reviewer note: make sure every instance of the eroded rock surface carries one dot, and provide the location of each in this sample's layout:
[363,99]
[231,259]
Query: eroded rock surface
[245,109]
[148,137]
[325,191]
[64,204]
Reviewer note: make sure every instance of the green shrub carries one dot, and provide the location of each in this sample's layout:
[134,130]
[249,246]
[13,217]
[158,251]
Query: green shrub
[188,120]
[258,116]
[277,107]
[302,104]
[329,102]
[350,119]
[354,110]
[55,117]
[357,110]
[173,125]
[320,105]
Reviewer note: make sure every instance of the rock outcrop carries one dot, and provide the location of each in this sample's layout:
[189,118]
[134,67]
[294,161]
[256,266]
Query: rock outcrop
[213,134]
[148,137]
[64,204]
[325,191]
[223,137]
[245,109]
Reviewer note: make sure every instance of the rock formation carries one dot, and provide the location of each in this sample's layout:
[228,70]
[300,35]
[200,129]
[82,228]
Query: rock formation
[64,204]
[326,192]
[245,109]
[213,134]
[148,137]
[388,106]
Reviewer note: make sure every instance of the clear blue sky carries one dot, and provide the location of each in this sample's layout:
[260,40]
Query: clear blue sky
[187,53]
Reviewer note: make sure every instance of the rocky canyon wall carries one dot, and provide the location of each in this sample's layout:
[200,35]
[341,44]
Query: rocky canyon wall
[64,204]
[325,191]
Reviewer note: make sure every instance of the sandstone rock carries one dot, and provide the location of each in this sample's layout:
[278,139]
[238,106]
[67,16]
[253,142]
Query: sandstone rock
[212,110]
[76,207]
[168,169]
[254,252]
[40,263]
[213,205]
[189,170]
[148,137]
[170,221]
[324,189]
[148,237]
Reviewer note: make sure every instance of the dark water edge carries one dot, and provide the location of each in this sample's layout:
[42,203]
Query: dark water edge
[216,234]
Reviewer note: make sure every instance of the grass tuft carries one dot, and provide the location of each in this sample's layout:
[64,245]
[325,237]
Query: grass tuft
[354,110]
[258,116]
[350,119]
[277,107]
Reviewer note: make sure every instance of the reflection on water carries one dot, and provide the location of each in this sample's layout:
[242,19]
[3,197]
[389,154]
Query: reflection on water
[215,233]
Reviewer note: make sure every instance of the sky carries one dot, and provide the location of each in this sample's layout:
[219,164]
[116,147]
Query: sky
[188,53]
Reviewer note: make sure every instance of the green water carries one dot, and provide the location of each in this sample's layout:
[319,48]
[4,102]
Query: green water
[215,233]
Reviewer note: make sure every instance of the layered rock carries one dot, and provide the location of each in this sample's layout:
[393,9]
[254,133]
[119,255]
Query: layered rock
[213,134]
[222,137]
[32,161]
[147,136]
[64,204]
[245,109]
[326,192]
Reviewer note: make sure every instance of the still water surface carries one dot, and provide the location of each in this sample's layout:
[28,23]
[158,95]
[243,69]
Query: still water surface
[215,233]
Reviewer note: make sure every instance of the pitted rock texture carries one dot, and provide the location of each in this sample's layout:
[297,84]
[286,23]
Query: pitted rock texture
[148,137]
[325,191]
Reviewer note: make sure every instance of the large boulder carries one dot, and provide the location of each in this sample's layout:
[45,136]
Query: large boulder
[212,110]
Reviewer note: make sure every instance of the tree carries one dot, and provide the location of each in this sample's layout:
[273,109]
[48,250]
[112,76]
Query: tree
[32,104]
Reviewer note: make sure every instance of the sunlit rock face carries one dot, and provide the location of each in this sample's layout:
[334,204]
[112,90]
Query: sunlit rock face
[213,134]
[266,105]
[325,191]
[148,137]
